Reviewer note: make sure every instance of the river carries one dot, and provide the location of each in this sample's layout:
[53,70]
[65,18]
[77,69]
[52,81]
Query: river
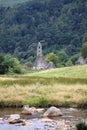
[70,117]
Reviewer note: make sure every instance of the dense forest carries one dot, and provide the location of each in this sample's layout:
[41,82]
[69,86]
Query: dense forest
[11,2]
[60,25]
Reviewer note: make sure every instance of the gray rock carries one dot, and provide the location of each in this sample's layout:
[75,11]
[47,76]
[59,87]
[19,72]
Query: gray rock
[53,111]
[25,107]
[14,118]
[80,61]
[73,109]
[25,123]
[29,111]
[40,110]
[50,65]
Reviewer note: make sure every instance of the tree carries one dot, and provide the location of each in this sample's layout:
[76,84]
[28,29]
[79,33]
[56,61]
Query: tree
[69,63]
[52,57]
[9,64]
[84,50]
[3,68]
[74,58]
[63,57]
[13,64]
[61,23]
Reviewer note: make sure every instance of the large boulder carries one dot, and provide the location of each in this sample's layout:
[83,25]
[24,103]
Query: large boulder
[14,118]
[53,111]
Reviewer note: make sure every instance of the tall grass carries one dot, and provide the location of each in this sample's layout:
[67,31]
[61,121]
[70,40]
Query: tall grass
[43,95]
[41,81]
[57,89]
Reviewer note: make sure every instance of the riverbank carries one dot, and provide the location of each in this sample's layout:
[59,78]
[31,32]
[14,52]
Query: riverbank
[67,121]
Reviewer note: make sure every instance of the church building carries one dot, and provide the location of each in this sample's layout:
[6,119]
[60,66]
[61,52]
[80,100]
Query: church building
[40,63]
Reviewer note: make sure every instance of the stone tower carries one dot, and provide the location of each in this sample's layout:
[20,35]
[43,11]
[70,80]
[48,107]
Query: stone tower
[39,49]
[40,63]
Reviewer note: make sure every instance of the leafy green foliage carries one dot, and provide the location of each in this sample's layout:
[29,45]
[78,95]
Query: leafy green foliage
[63,57]
[3,66]
[74,58]
[9,65]
[11,2]
[52,57]
[84,50]
[61,24]
[69,63]
[81,126]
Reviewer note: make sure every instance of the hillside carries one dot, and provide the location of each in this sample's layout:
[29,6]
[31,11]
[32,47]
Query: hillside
[58,24]
[11,2]
[66,72]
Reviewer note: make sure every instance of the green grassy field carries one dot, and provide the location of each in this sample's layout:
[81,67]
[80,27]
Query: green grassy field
[67,72]
[60,87]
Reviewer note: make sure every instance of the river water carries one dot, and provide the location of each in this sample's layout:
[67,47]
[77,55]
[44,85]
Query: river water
[69,119]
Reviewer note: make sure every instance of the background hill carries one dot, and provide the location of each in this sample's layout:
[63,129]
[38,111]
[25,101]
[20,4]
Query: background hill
[11,2]
[58,24]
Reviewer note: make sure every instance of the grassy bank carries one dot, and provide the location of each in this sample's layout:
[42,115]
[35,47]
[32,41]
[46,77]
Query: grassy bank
[43,96]
[46,88]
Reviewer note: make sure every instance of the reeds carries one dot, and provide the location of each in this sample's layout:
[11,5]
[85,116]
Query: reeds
[41,81]
[44,96]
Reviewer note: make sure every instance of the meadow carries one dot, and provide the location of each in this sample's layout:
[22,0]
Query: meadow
[62,87]
[67,72]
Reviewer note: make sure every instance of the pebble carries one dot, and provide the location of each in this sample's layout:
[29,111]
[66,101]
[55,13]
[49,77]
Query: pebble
[46,120]
[25,123]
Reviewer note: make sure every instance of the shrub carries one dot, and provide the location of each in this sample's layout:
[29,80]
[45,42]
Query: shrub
[69,63]
[81,126]
[74,58]
[84,50]
[52,57]
[9,64]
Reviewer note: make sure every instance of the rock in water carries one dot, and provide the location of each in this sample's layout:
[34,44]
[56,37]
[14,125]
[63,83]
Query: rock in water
[29,111]
[46,120]
[14,118]
[53,111]
[25,107]
[40,110]
[25,123]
